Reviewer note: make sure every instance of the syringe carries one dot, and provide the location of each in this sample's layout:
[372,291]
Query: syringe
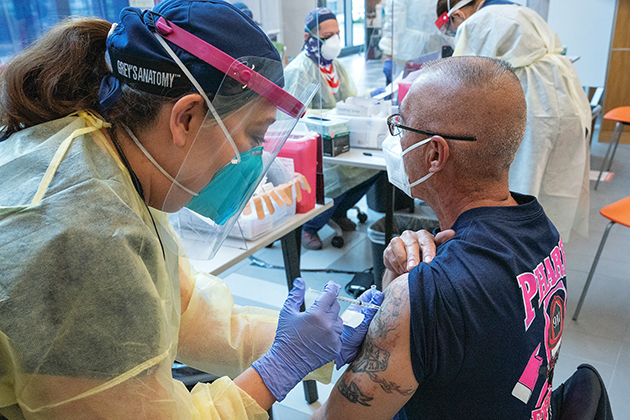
[349,300]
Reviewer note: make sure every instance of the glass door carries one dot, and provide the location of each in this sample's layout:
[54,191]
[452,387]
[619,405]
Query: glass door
[351,17]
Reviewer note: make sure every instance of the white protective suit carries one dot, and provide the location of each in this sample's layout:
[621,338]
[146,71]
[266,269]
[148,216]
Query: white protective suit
[409,29]
[337,178]
[90,301]
[553,162]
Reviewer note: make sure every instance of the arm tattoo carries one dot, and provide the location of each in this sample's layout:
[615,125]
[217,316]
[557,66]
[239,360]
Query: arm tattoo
[353,393]
[375,359]
[385,319]
[390,386]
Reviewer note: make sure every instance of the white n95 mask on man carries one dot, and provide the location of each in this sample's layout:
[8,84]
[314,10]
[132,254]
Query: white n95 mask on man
[393,154]
[331,47]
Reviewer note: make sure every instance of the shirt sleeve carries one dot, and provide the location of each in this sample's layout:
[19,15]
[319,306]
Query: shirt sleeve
[436,324]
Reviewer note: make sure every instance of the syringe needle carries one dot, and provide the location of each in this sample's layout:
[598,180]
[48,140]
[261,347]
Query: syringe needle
[348,300]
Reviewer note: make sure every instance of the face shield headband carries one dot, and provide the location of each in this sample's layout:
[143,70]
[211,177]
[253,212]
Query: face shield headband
[231,67]
[444,21]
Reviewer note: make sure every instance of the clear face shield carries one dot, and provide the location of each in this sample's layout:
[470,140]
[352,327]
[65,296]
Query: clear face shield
[248,120]
[445,21]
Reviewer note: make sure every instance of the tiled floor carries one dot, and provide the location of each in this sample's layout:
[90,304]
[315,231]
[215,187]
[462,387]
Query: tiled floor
[600,337]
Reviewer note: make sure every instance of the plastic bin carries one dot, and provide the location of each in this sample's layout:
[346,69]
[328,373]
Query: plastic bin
[302,148]
[253,228]
[402,222]
[405,84]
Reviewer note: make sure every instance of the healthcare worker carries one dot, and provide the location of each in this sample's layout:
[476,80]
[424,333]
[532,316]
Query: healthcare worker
[553,161]
[319,64]
[318,60]
[103,135]
[408,32]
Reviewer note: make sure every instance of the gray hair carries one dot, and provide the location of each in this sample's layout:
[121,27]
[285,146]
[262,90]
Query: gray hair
[480,97]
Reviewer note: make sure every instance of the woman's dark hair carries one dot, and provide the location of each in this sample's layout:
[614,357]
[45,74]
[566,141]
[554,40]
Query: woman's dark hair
[61,74]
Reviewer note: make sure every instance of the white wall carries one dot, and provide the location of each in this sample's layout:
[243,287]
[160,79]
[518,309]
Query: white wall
[585,28]
[540,6]
[293,14]
[267,13]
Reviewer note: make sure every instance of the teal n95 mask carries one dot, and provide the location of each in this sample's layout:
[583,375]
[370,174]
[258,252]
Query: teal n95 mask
[393,154]
[222,197]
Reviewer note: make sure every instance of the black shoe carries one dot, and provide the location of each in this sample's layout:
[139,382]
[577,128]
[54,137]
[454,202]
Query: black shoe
[346,224]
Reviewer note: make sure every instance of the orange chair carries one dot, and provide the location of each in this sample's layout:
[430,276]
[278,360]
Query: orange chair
[617,212]
[622,116]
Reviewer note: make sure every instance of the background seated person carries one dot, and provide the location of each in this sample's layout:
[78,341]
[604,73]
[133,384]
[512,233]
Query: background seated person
[318,60]
[475,333]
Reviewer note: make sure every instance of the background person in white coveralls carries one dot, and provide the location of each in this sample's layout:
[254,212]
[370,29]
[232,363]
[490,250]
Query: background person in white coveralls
[553,162]
[408,32]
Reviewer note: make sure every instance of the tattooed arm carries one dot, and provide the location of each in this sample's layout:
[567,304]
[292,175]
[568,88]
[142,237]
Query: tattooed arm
[380,381]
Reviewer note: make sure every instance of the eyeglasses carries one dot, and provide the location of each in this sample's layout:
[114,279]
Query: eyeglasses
[395,129]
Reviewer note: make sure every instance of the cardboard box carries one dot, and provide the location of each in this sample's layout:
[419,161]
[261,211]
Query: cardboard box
[252,227]
[337,145]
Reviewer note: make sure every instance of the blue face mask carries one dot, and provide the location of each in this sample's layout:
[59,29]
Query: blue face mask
[221,198]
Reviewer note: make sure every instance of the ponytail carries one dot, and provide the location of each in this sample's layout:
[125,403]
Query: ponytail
[59,74]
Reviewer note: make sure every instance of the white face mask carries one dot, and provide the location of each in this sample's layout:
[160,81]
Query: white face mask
[331,47]
[393,154]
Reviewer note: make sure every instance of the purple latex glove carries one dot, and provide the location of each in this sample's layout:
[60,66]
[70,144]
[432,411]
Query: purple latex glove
[352,338]
[304,341]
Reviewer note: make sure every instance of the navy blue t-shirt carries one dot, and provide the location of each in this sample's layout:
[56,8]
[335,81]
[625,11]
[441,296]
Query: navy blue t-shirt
[487,316]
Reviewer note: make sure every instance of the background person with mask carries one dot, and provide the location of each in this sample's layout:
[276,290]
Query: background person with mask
[106,130]
[553,162]
[318,61]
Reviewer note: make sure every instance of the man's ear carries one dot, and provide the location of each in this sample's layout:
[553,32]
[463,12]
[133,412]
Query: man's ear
[437,153]
[187,115]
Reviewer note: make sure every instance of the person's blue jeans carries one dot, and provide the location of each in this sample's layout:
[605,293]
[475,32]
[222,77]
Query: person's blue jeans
[341,205]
